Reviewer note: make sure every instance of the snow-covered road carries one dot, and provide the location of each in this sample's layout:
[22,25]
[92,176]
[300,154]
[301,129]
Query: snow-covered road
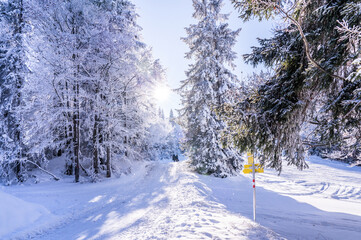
[163,200]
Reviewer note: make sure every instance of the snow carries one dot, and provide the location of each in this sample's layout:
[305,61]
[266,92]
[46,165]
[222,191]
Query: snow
[322,202]
[16,213]
[165,200]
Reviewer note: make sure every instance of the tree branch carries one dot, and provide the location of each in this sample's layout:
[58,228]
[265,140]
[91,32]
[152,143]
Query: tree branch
[42,169]
[354,107]
[306,43]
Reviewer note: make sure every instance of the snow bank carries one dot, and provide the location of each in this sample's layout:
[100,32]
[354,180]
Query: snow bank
[16,213]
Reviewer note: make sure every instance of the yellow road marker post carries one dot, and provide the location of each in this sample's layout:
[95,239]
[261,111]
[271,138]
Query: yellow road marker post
[251,167]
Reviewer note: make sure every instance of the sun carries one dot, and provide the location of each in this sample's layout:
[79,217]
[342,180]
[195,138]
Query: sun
[161,93]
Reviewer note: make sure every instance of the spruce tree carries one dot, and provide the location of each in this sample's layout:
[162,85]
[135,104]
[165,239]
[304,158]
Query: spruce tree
[310,85]
[174,137]
[12,75]
[206,88]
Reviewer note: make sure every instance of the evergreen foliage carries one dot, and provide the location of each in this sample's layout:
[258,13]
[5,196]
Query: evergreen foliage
[207,87]
[312,80]
[12,77]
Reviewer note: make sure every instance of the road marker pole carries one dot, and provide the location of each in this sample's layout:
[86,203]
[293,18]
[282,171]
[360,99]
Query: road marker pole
[254,191]
[252,167]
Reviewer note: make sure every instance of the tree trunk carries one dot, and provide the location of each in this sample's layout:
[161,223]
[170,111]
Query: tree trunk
[109,172]
[19,83]
[76,112]
[95,146]
[68,134]
[125,122]
[76,133]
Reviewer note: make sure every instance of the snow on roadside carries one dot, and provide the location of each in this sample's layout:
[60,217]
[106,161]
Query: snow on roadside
[322,202]
[327,185]
[16,213]
[59,202]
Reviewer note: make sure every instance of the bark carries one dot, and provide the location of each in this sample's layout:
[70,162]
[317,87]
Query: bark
[109,172]
[68,134]
[19,83]
[125,122]
[95,146]
[76,115]
[76,133]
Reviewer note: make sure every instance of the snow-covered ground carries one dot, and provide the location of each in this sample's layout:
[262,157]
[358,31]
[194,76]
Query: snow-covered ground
[165,200]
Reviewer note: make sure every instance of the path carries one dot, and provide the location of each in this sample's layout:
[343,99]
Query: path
[169,202]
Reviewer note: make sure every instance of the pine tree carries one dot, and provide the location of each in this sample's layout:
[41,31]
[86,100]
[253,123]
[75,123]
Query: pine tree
[12,75]
[312,61]
[174,137]
[338,133]
[206,88]
[115,82]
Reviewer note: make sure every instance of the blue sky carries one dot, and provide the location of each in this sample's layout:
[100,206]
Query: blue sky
[163,23]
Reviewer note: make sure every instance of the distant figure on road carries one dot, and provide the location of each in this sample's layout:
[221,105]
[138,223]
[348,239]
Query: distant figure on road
[175,158]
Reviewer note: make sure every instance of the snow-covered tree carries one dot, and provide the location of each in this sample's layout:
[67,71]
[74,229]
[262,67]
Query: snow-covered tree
[159,132]
[206,88]
[116,82]
[312,62]
[338,133]
[13,71]
[175,137]
[59,48]
[88,92]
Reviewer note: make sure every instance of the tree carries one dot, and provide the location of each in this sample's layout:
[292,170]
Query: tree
[206,88]
[58,50]
[311,60]
[175,136]
[339,124]
[13,70]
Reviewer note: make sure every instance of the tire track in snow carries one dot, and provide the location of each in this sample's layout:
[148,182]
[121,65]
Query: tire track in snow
[336,183]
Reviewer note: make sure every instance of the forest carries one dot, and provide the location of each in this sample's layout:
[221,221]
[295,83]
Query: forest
[77,81]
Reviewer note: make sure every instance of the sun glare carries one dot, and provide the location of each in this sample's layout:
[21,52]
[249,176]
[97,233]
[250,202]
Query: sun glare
[161,93]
